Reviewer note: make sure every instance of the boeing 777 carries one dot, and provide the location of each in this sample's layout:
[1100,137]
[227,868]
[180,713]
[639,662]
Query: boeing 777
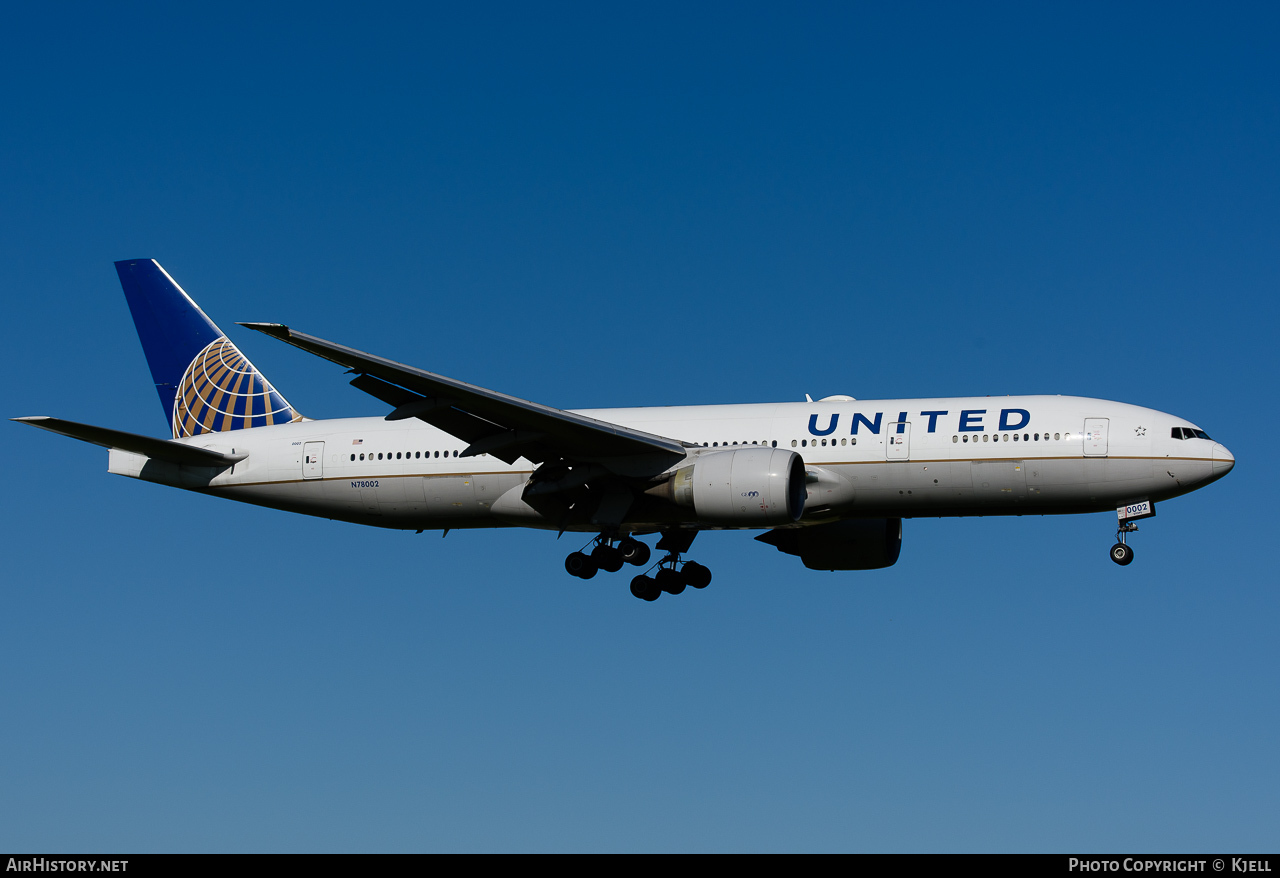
[829,481]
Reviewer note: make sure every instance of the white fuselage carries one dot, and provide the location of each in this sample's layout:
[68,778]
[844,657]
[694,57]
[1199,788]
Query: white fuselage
[864,458]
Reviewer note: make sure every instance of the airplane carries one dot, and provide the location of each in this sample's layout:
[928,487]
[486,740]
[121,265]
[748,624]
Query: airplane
[829,481]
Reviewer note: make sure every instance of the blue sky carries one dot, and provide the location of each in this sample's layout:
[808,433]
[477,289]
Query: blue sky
[663,205]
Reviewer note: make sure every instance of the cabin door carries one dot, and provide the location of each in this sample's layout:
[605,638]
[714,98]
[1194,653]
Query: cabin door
[1095,437]
[313,460]
[897,444]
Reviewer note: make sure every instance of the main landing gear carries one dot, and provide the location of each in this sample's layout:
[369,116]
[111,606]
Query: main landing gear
[672,575]
[607,557]
[1120,552]
[669,579]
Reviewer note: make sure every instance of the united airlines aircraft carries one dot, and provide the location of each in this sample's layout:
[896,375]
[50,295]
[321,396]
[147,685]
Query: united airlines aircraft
[828,481]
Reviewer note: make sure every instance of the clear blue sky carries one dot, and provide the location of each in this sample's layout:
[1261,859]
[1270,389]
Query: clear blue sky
[666,205]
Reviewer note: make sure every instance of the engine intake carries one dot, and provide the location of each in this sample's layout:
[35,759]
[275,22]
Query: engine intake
[752,486]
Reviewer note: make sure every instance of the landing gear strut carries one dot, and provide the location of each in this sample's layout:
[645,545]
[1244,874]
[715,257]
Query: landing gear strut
[1120,552]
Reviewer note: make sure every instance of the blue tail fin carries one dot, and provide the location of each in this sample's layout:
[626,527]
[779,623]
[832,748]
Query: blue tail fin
[205,384]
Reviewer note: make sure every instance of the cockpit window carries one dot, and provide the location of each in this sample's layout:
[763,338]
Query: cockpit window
[1176,432]
[1189,433]
[1200,434]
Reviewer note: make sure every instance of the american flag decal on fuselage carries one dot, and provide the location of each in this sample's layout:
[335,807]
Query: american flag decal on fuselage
[221,390]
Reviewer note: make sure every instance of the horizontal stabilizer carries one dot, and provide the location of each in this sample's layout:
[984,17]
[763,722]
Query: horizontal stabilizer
[157,449]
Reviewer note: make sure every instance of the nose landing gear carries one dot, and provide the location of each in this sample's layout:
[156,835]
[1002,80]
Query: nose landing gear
[1120,552]
[1127,515]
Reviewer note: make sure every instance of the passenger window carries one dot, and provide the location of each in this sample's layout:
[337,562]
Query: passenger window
[1055,436]
[793,443]
[853,441]
[1026,437]
[955,438]
[775,443]
[844,441]
[824,442]
[984,437]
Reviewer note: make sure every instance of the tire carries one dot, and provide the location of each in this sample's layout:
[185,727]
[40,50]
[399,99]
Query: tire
[645,588]
[580,565]
[1122,554]
[696,575]
[670,581]
[634,552]
[607,558]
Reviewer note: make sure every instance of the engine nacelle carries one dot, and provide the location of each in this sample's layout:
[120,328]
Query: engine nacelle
[753,486]
[852,544]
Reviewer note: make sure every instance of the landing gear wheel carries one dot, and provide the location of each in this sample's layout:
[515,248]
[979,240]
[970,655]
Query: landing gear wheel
[670,581]
[645,588]
[606,557]
[580,565]
[696,575]
[634,552]
[1122,554]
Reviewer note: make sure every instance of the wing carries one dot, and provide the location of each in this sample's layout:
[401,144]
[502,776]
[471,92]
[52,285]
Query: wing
[491,422]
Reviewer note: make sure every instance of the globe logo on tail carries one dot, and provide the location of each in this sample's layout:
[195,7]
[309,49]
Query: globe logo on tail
[221,390]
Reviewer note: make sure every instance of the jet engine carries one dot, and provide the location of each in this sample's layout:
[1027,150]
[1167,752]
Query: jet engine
[756,486]
[852,544]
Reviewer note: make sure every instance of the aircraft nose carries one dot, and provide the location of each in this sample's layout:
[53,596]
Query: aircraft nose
[1223,460]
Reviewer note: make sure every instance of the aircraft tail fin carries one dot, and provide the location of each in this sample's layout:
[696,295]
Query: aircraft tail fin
[205,384]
